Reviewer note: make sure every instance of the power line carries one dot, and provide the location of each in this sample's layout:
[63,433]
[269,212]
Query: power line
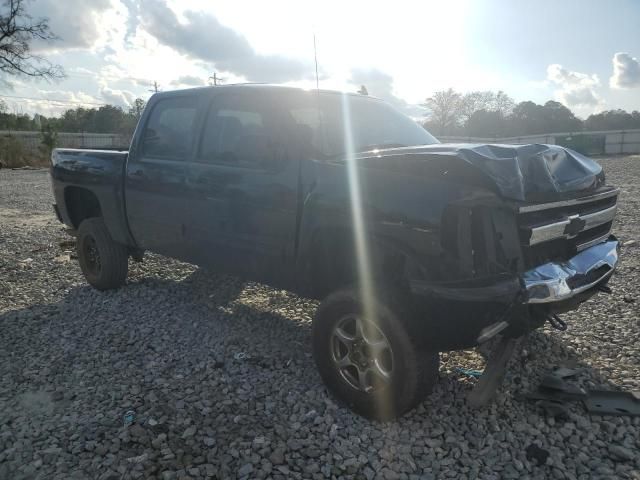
[52,100]
[96,75]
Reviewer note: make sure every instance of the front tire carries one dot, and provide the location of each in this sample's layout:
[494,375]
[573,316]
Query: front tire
[371,365]
[103,262]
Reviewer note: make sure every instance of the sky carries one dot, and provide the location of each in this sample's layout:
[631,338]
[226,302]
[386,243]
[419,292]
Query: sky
[583,53]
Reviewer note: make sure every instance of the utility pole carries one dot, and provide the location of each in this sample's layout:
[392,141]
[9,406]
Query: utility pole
[216,79]
[155,87]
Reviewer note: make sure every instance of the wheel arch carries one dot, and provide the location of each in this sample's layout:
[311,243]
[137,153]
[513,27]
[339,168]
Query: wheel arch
[81,204]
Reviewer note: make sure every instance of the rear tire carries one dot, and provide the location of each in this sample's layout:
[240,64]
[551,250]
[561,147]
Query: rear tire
[398,375]
[103,262]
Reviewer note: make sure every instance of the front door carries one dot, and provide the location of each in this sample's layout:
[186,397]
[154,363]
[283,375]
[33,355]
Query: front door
[247,184]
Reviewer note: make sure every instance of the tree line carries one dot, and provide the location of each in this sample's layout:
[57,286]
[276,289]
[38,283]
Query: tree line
[495,114]
[104,119]
[474,114]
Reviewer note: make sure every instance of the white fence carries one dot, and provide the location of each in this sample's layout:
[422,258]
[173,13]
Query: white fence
[608,142]
[603,142]
[32,140]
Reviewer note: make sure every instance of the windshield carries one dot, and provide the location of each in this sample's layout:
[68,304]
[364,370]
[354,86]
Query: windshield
[372,123]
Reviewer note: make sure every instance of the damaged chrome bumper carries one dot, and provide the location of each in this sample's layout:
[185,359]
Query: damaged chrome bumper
[553,282]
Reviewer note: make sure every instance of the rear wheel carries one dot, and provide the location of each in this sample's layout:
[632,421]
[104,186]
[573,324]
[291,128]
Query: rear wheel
[103,262]
[371,364]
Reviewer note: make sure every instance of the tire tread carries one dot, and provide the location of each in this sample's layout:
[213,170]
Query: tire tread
[114,257]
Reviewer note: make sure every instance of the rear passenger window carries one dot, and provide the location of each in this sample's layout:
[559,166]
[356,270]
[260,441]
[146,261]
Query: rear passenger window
[241,131]
[170,130]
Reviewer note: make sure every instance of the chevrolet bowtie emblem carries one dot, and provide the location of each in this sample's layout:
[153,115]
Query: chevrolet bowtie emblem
[575,226]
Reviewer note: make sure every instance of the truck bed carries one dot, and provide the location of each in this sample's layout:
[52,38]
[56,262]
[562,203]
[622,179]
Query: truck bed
[83,178]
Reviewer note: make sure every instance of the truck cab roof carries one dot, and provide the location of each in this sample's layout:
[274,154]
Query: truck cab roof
[265,87]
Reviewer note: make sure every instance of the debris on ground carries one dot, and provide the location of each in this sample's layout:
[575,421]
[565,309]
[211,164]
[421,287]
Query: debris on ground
[129,417]
[605,402]
[554,392]
[469,372]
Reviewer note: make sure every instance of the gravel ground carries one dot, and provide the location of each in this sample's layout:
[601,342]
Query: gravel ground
[184,374]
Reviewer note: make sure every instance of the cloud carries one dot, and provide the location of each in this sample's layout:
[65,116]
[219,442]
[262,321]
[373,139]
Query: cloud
[77,23]
[133,9]
[626,71]
[575,88]
[189,81]
[380,84]
[121,98]
[58,102]
[203,37]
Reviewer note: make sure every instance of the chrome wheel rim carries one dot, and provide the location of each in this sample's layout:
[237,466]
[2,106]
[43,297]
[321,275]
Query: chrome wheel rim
[361,353]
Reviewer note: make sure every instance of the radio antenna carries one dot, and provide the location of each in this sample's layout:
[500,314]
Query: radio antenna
[318,108]
[315,57]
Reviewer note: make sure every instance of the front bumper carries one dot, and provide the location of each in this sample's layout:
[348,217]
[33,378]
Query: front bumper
[559,281]
[553,283]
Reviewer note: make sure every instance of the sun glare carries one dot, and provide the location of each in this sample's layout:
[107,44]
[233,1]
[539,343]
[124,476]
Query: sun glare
[366,285]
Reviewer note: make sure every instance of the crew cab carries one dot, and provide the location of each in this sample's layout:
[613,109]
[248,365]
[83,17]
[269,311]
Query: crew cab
[414,247]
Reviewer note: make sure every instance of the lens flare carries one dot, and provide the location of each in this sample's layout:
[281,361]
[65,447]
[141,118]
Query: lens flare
[366,285]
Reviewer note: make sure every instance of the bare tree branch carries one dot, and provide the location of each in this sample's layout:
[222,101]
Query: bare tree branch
[17,30]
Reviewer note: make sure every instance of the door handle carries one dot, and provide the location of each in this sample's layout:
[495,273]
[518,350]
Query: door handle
[137,173]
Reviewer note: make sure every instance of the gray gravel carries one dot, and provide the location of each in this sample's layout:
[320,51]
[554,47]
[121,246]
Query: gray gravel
[184,374]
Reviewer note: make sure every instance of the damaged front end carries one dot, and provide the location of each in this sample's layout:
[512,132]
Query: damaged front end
[525,234]
[546,257]
[529,260]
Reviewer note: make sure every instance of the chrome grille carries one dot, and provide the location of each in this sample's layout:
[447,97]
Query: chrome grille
[552,231]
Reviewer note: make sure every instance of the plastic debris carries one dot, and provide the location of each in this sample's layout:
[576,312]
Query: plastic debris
[564,372]
[553,409]
[603,402]
[469,372]
[129,417]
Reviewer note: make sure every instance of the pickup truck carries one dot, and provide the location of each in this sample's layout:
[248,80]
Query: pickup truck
[413,247]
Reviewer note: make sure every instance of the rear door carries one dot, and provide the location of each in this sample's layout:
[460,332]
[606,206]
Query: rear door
[157,194]
[245,180]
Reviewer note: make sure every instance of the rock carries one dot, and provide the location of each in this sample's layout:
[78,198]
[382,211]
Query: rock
[245,470]
[537,454]
[621,453]
[294,444]
[277,457]
[189,432]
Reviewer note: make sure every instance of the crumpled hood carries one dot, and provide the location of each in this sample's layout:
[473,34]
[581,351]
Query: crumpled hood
[533,172]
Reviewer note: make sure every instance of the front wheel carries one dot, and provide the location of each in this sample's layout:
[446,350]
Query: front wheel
[103,262]
[371,364]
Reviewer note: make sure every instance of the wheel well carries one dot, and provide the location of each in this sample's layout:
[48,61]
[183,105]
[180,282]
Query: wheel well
[81,204]
[334,263]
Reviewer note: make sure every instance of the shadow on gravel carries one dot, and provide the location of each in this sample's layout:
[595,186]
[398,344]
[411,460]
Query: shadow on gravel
[233,361]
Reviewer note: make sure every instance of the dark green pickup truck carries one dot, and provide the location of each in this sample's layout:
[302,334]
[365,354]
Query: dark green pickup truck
[414,247]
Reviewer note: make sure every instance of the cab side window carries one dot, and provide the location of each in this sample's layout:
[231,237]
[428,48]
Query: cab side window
[169,132]
[241,131]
